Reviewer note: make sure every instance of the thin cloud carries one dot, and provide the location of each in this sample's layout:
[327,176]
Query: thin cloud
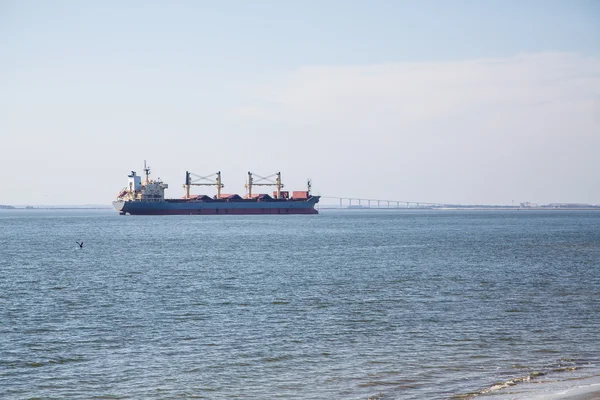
[418,91]
[484,130]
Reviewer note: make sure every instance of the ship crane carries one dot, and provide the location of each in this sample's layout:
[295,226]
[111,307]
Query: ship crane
[264,181]
[202,181]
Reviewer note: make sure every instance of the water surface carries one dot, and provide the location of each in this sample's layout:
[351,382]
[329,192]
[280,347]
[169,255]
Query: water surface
[342,305]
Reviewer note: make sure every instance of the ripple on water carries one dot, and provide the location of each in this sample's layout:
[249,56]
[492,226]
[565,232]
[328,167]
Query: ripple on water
[379,305]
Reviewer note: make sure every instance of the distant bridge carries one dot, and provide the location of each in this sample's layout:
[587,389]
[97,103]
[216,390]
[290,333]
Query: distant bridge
[356,202]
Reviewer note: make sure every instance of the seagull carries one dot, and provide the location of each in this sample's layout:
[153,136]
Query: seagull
[80,244]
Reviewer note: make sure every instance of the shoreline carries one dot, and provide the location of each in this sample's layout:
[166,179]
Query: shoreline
[580,388]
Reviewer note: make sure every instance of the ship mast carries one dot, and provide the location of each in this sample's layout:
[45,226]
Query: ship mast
[147,171]
[278,184]
[219,185]
[249,184]
[186,185]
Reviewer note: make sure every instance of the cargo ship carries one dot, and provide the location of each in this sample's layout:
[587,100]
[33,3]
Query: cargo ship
[147,197]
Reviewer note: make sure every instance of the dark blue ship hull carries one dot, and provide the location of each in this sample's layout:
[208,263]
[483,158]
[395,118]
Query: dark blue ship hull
[218,207]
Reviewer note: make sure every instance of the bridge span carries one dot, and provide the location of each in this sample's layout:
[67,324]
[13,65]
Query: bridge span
[356,202]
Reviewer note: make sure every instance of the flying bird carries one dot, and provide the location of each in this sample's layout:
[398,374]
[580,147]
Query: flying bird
[80,244]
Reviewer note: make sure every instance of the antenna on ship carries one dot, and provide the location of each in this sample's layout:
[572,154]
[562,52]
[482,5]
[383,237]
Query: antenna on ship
[147,171]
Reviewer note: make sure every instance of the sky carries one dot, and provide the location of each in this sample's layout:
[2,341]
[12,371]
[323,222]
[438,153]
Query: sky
[470,102]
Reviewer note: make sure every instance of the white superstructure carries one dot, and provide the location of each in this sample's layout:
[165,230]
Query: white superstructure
[135,182]
[148,190]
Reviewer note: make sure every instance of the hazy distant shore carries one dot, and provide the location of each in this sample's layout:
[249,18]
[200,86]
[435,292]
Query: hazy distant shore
[327,207]
[91,207]
[491,208]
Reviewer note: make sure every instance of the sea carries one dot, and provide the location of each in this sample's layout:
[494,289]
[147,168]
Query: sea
[347,304]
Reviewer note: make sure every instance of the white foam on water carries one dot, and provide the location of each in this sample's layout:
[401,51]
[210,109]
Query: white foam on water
[574,388]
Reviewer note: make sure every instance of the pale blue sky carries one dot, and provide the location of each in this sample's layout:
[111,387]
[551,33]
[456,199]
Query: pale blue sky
[89,90]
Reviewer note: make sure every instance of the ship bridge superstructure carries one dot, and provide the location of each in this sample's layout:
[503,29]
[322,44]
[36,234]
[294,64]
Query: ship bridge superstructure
[148,190]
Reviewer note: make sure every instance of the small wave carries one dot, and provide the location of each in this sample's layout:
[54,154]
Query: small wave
[242,364]
[277,358]
[37,330]
[35,364]
[465,395]
[549,351]
[566,369]
[505,384]
[398,384]
[38,364]
[572,360]
[65,360]
[499,386]
[507,339]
